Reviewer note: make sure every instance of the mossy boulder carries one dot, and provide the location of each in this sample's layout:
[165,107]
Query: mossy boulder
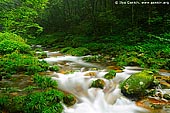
[69,100]
[136,84]
[166,96]
[99,83]
[110,75]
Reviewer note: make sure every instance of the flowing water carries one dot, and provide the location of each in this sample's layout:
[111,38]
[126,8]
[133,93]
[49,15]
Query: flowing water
[92,100]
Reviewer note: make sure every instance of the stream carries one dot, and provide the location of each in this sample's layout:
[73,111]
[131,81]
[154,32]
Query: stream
[92,100]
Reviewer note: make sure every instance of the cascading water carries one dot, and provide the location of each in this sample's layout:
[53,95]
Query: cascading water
[94,100]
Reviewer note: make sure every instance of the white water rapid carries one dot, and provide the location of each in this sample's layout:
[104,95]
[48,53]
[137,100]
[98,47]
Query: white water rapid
[93,100]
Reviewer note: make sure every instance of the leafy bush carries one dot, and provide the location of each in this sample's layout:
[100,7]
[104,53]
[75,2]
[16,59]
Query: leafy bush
[44,81]
[10,36]
[64,50]
[16,63]
[95,46]
[38,102]
[4,101]
[149,55]
[80,51]
[9,46]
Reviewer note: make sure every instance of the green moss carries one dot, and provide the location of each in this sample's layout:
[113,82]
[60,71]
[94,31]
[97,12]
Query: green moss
[99,83]
[110,75]
[137,83]
[69,100]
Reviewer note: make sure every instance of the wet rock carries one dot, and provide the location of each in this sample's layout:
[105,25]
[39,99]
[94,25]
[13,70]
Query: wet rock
[118,69]
[54,68]
[69,100]
[90,74]
[164,81]
[99,83]
[166,96]
[114,68]
[110,75]
[136,84]
[154,105]
[14,94]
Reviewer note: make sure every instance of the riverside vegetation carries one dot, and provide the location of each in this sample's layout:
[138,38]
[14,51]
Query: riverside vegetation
[40,94]
[139,37]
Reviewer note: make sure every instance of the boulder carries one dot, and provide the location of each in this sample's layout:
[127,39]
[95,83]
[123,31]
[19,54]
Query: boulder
[69,100]
[110,75]
[136,85]
[99,83]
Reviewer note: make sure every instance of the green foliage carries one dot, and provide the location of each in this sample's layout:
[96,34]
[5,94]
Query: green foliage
[151,54]
[95,58]
[9,46]
[15,63]
[44,81]
[3,101]
[110,75]
[10,42]
[80,51]
[64,50]
[20,18]
[29,89]
[37,102]
[10,36]
[94,46]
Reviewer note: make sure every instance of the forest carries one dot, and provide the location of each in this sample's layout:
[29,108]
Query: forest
[113,32]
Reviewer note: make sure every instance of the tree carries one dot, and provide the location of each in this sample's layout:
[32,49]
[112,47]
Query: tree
[20,16]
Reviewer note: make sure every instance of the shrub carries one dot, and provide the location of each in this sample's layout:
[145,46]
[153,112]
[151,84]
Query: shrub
[95,46]
[9,46]
[38,102]
[16,63]
[99,83]
[80,51]
[44,81]
[64,50]
[10,36]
